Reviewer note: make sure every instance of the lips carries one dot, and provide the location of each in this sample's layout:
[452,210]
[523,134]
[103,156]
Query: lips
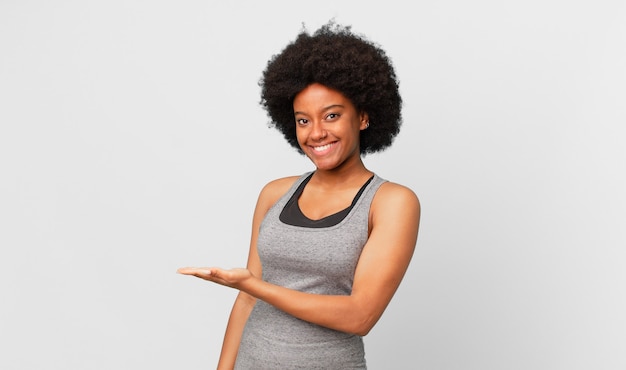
[322,148]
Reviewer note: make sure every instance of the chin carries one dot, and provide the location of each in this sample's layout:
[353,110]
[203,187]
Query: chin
[326,166]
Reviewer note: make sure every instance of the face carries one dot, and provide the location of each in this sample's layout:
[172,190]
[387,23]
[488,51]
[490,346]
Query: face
[328,127]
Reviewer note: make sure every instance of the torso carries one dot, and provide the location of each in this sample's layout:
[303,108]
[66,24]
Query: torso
[312,260]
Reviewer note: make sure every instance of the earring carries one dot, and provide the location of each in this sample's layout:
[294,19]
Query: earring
[367,124]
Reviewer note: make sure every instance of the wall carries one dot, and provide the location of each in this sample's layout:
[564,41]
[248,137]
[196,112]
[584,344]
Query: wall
[132,143]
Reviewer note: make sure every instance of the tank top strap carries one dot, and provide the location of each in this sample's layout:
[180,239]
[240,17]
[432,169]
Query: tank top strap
[291,214]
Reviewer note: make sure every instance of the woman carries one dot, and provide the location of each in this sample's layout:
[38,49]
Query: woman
[329,248]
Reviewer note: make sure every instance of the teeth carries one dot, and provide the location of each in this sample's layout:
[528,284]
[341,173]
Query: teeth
[320,148]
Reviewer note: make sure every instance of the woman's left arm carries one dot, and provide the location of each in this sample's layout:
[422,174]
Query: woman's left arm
[394,224]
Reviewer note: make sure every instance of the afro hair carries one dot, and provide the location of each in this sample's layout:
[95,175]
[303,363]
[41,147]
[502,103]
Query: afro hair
[335,57]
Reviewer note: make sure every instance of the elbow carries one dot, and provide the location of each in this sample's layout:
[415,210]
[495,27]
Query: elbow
[362,317]
[363,332]
[363,326]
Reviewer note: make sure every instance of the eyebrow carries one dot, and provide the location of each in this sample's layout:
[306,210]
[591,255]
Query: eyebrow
[332,106]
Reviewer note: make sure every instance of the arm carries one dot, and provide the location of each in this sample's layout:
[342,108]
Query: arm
[244,302]
[238,316]
[394,223]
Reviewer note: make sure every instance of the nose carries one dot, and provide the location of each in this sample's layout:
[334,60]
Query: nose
[317,131]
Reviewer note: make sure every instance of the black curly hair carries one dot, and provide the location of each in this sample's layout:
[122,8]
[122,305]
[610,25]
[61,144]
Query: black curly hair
[338,58]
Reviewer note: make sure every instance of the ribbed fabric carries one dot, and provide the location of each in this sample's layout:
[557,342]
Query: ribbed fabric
[312,260]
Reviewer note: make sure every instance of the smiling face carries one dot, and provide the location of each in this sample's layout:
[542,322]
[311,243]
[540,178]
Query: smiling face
[328,126]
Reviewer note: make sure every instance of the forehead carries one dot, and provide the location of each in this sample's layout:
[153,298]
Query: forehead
[319,96]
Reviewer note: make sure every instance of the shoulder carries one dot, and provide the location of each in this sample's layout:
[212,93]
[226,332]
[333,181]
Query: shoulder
[278,187]
[273,190]
[395,199]
[393,191]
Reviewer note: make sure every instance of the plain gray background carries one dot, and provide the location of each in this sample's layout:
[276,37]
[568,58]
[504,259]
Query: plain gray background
[132,143]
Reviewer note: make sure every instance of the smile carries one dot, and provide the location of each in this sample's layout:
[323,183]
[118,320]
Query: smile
[322,148]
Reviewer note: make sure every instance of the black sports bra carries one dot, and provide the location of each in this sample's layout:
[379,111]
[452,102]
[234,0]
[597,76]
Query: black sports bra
[292,214]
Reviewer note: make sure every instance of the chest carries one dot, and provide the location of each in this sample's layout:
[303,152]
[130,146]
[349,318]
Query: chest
[311,259]
[318,204]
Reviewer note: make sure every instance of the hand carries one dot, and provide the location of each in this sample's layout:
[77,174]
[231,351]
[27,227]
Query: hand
[231,278]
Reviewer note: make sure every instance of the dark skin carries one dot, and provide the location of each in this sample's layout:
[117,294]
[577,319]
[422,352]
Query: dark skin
[327,127]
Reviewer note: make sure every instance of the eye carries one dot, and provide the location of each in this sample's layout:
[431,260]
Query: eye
[302,121]
[332,116]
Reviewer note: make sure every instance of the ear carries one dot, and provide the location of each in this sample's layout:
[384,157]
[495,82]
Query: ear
[365,121]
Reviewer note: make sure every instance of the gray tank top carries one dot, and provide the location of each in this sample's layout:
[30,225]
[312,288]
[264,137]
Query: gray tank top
[312,260]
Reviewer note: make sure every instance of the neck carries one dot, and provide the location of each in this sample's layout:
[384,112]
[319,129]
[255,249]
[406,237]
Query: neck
[346,174]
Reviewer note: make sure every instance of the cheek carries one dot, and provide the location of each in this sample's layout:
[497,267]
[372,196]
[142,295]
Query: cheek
[301,137]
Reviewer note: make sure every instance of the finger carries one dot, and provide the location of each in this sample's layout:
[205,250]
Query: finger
[195,271]
[185,270]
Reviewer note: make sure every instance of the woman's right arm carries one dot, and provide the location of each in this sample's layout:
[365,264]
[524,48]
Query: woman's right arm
[244,302]
[238,317]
